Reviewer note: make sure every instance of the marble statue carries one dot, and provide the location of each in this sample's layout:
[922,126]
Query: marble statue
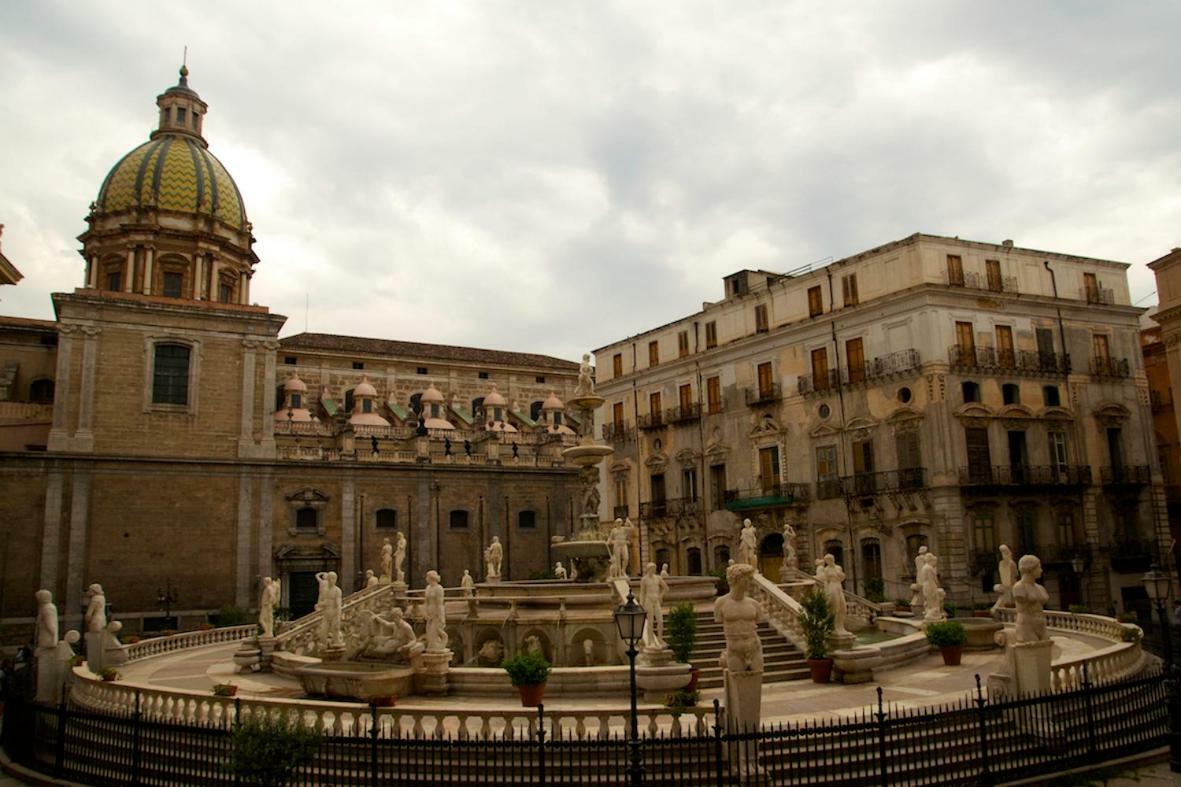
[436,614]
[46,621]
[389,638]
[60,671]
[490,654]
[916,588]
[586,384]
[493,556]
[748,544]
[590,498]
[1030,599]
[588,652]
[371,579]
[387,562]
[267,601]
[329,606]
[114,651]
[399,558]
[620,540]
[933,594]
[560,570]
[664,571]
[742,659]
[832,577]
[790,558]
[468,584]
[533,645]
[652,591]
[49,673]
[96,610]
[1007,568]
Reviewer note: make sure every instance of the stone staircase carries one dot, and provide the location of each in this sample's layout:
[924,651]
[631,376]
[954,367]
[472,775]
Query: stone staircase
[782,661]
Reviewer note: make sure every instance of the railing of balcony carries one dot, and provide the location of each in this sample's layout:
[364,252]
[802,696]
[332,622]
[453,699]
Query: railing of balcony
[670,507]
[686,412]
[1097,295]
[1064,553]
[1133,554]
[713,408]
[881,368]
[618,433]
[1110,367]
[1125,475]
[651,421]
[778,494]
[974,281]
[828,488]
[1018,361]
[883,481]
[763,394]
[1025,475]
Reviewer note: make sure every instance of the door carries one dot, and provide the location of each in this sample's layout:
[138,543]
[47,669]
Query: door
[685,397]
[979,460]
[965,340]
[693,561]
[910,459]
[820,369]
[713,391]
[871,564]
[769,469]
[766,381]
[863,478]
[955,270]
[658,494]
[992,269]
[771,556]
[1091,284]
[654,412]
[855,358]
[1115,453]
[302,593]
[1045,349]
[617,416]
[1018,457]
[1101,353]
[717,486]
[1004,347]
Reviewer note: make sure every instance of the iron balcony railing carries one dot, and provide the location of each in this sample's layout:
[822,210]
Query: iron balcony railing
[961,356]
[770,495]
[1025,475]
[975,281]
[1117,368]
[763,394]
[1097,295]
[1063,554]
[673,506]
[618,433]
[881,368]
[883,481]
[651,421]
[1133,554]
[682,413]
[828,488]
[1125,475]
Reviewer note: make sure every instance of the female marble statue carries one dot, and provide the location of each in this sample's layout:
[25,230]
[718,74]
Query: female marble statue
[748,544]
[586,384]
[621,536]
[399,558]
[386,638]
[739,615]
[1007,569]
[371,579]
[493,556]
[329,607]
[46,621]
[652,591]
[920,560]
[833,578]
[1030,599]
[664,570]
[559,570]
[96,610]
[267,601]
[790,560]
[387,562]
[933,594]
[468,584]
[436,614]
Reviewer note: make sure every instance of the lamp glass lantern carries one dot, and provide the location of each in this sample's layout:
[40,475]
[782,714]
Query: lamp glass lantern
[629,619]
[1156,584]
[1078,563]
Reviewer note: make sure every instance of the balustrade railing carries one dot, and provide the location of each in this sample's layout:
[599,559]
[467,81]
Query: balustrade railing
[682,413]
[1097,295]
[158,646]
[974,281]
[781,611]
[1106,367]
[302,636]
[883,367]
[1120,659]
[651,421]
[618,433]
[763,394]
[884,481]
[1025,475]
[1125,475]
[1031,362]
[670,507]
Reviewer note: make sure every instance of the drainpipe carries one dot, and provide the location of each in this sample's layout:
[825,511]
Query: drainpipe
[1061,329]
[851,560]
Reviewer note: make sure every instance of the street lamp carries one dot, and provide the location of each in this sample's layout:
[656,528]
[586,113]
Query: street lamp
[1156,583]
[629,619]
[1077,564]
[166,598]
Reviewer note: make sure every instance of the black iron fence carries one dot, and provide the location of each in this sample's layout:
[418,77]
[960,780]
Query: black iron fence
[975,740]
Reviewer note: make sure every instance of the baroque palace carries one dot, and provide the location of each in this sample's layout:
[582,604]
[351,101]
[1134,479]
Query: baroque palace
[929,392]
[159,434]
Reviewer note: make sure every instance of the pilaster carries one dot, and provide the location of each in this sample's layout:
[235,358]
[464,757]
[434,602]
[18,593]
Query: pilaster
[348,537]
[51,532]
[76,555]
[243,574]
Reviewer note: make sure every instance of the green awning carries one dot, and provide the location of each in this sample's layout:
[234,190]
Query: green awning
[328,405]
[769,501]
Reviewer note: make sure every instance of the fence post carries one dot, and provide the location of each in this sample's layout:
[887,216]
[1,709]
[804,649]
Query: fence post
[882,765]
[59,754]
[373,743]
[135,736]
[237,721]
[981,705]
[718,762]
[541,744]
[1089,703]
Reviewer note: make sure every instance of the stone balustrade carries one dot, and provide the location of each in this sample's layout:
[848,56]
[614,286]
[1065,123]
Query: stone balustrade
[302,636]
[1095,625]
[158,646]
[190,707]
[781,610]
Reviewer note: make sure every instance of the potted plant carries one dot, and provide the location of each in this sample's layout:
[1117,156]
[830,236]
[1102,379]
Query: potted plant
[817,623]
[949,636]
[384,702]
[528,672]
[680,700]
[225,690]
[680,630]
[108,673]
[267,750]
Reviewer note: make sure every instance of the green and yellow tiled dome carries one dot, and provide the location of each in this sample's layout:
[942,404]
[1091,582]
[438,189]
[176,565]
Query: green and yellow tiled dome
[173,172]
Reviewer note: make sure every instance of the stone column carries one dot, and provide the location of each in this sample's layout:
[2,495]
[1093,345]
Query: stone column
[268,350]
[243,574]
[76,555]
[198,275]
[348,537]
[51,533]
[84,437]
[129,276]
[59,432]
[149,255]
[214,284]
[244,289]
[92,273]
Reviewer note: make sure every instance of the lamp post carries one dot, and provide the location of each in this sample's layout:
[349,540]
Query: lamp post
[1156,583]
[629,619]
[166,598]
[1078,563]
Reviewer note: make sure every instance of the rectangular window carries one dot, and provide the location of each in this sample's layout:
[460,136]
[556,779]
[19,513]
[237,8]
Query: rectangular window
[979,456]
[820,369]
[769,469]
[421,370]
[983,532]
[656,482]
[955,270]
[180,116]
[992,271]
[689,483]
[170,375]
[717,486]
[864,482]
[482,375]
[386,519]
[766,380]
[539,378]
[1004,347]
[815,302]
[1026,530]
[908,447]
[654,407]
[114,281]
[173,284]
[1057,446]
[1065,523]
[457,520]
[965,341]
[1100,348]
[653,353]
[290,360]
[1091,285]
[358,364]
[225,292]
[827,480]
[711,335]
[1045,341]
[855,359]
[682,344]
[849,290]
[1051,396]
[713,390]
[761,323]
[617,415]
[617,365]
[526,520]
[685,398]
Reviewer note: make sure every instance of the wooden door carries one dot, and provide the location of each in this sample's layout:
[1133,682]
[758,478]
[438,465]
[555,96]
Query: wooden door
[855,359]
[713,390]
[992,269]
[820,369]
[685,395]
[766,380]
[654,410]
[955,270]
[965,340]
[769,468]
[1004,347]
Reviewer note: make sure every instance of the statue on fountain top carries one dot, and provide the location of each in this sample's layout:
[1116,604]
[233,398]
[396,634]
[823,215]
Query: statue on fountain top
[1030,599]
[493,556]
[586,383]
[620,544]
[390,638]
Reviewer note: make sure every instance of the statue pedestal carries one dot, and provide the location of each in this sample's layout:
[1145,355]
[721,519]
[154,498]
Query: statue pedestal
[842,641]
[266,649]
[743,698]
[431,676]
[330,653]
[399,589]
[49,678]
[855,666]
[248,656]
[654,657]
[492,579]
[658,674]
[94,651]
[1026,669]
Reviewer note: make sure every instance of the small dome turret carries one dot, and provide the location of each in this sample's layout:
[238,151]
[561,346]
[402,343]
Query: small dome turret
[365,406]
[496,413]
[434,415]
[294,409]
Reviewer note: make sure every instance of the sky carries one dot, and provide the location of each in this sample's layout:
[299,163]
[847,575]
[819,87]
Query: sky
[550,176]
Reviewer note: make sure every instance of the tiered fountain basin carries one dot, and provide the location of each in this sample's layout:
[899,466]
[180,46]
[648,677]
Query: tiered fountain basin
[356,680]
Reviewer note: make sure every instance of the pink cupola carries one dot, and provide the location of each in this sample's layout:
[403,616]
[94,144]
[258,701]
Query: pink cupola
[365,406]
[553,415]
[496,413]
[433,411]
[294,407]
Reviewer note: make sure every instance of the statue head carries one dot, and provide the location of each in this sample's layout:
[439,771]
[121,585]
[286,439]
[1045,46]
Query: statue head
[1006,553]
[96,589]
[586,357]
[396,614]
[467,574]
[650,570]
[830,559]
[1030,566]
[43,597]
[746,523]
[739,576]
[114,627]
[618,522]
[266,581]
[368,573]
[385,541]
[432,577]
[923,549]
[496,539]
[331,577]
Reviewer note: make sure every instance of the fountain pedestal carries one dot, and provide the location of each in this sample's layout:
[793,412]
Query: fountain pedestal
[431,676]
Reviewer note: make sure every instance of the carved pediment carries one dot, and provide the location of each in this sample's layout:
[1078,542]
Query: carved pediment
[822,430]
[1056,414]
[308,497]
[974,410]
[1015,411]
[767,425]
[687,457]
[905,416]
[1111,414]
[323,550]
[656,461]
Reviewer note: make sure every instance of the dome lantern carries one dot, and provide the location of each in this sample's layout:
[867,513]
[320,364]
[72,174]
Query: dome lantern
[181,110]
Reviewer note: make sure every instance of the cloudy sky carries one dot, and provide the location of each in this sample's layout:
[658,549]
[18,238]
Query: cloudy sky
[549,176]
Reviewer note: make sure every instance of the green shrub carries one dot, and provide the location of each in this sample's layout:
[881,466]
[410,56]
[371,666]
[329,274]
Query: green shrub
[946,634]
[817,623]
[902,603]
[1079,609]
[1127,617]
[681,699]
[949,609]
[1131,634]
[723,583]
[680,629]
[875,590]
[268,750]
[527,669]
[232,615]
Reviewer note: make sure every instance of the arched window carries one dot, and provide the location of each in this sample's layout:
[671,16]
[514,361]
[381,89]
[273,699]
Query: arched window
[527,519]
[296,400]
[478,408]
[458,519]
[535,410]
[386,518]
[173,284]
[693,559]
[366,405]
[307,518]
[170,374]
[721,556]
[871,559]
[41,392]
[349,401]
[836,549]
[661,557]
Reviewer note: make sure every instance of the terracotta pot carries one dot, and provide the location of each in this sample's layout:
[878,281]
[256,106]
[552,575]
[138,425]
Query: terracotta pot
[952,654]
[821,670]
[531,695]
[693,675]
[231,691]
[385,702]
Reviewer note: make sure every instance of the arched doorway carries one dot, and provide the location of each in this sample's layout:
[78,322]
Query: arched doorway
[771,556]
[693,561]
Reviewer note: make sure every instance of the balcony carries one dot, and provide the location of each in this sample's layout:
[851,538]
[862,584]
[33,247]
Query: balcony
[651,421]
[670,507]
[1025,475]
[1026,362]
[1062,554]
[1126,475]
[877,369]
[974,281]
[618,433]
[1097,295]
[1113,368]
[683,413]
[763,395]
[828,488]
[766,497]
[865,484]
[1133,555]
